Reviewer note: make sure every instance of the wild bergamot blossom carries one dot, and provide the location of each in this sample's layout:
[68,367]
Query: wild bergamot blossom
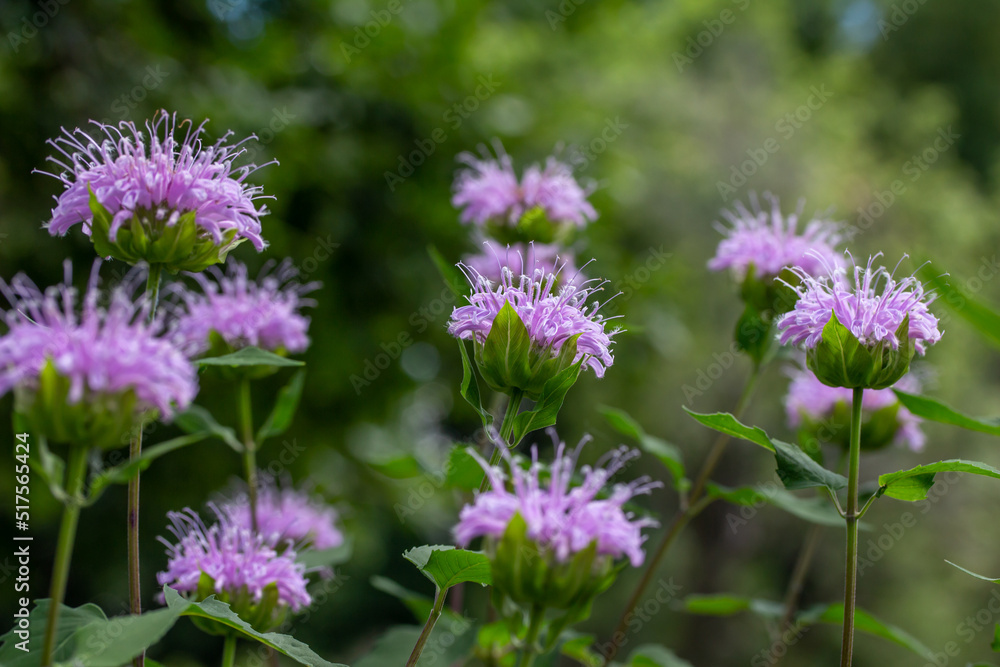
[287,516]
[241,565]
[552,319]
[523,258]
[161,195]
[75,357]
[872,308]
[562,519]
[809,400]
[767,243]
[264,313]
[488,190]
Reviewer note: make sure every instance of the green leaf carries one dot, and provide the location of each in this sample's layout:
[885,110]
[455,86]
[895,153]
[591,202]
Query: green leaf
[450,273]
[928,408]
[722,604]
[578,647]
[448,643]
[121,474]
[985,319]
[668,454]
[505,353]
[547,406]
[447,566]
[795,468]
[913,484]
[470,387]
[833,614]
[462,471]
[197,419]
[813,509]
[995,644]
[249,356]
[977,576]
[320,558]
[50,468]
[219,611]
[654,655]
[419,604]
[70,620]
[284,409]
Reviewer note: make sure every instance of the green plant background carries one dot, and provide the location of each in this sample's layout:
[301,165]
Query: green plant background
[563,72]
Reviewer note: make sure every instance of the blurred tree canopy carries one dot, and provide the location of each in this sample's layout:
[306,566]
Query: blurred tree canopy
[675,110]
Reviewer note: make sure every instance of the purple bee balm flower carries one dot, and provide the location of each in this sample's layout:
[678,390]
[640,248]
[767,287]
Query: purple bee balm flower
[811,399]
[488,190]
[872,308]
[551,317]
[102,349]
[561,518]
[521,259]
[158,175]
[239,561]
[287,516]
[771,242]
[264,313]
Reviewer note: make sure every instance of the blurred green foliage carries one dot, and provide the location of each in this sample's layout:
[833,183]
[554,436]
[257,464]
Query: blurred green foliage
[665,105]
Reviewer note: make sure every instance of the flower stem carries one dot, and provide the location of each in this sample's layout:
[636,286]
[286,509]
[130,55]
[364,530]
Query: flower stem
[428,627]
[249,447]
[851,570]
[690,507]
[134,452]
[506,429]
[229,651]
[798,578]
[534,629]
[75,476]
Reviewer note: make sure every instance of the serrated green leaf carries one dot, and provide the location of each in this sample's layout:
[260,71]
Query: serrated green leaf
[447,566]
[795,468]
[71,619]
[928,408]
[219,612]
[913,484]
[249,356]
[505,354]
[284,409]
[668,454]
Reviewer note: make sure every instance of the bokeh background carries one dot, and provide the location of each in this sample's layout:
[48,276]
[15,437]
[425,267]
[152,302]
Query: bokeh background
[662,104]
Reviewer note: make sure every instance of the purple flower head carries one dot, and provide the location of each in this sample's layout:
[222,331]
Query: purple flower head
[771,242]
[872,308]
[160,174]
[264,313]
[551,317]
[808,398]
[523,259]
[102,349]
[561,518]
[287,516]
[488,190]
[239,561]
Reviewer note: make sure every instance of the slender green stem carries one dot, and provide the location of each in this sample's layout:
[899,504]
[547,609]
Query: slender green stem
[689,508]
[75,477]
[534,629]
[249,447]
[134,452]
[229,651]
[798,578]
[428,627]
[506,429]
[851,573]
